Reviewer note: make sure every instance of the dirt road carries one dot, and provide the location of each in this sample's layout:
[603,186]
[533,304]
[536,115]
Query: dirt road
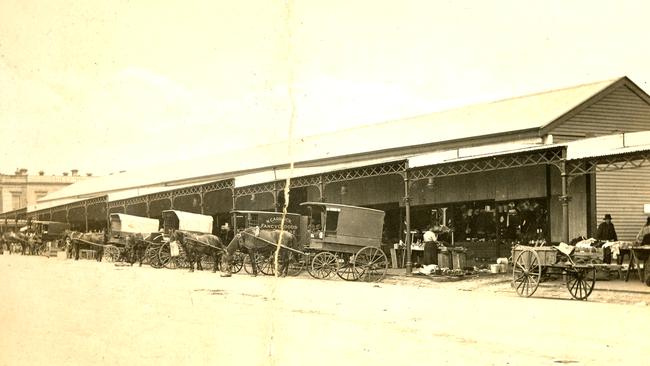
[56,312]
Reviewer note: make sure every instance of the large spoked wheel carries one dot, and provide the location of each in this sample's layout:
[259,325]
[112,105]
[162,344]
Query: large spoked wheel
[151,256]
[347,270]
[527,273]
[323,265]
[111,253]
[238,262]
[372,264]
[167,261]
[248,267]
[266,265]
[580,282]
[309,258]
[165,258]
[297,263]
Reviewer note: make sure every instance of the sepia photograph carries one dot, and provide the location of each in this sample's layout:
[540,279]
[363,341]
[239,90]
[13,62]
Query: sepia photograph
[324,182]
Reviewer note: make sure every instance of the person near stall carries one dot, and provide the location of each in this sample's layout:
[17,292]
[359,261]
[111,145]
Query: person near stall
[606,232]
[430,247]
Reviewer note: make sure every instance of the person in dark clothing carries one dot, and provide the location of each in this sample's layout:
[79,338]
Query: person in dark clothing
[606,232]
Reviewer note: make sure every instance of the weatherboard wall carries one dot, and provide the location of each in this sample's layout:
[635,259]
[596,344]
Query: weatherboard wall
[622,110]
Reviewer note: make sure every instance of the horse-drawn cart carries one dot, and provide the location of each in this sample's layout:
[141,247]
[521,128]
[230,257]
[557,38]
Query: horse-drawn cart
[49,235]
[265,259]
[347,243]
[531,265]
[171,255]
[124,227]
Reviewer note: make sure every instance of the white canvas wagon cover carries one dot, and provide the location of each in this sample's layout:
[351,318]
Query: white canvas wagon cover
[189,221]
[133,224]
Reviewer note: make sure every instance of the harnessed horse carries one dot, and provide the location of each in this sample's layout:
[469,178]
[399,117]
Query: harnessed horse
[254,239]
[74,240]
[197,245]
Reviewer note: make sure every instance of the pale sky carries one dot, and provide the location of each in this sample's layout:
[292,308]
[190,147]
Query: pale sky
[103,86]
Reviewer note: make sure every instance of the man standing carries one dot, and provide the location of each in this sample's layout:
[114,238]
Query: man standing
[430,247]
[606,232]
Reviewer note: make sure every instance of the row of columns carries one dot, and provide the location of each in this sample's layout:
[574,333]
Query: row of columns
[564,199]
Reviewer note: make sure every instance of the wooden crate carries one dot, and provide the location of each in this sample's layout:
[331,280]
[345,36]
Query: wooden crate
[547,255]
[444,259]
[86,254]
[459,259]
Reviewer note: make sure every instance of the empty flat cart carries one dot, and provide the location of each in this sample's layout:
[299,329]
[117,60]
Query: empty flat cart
[531,265]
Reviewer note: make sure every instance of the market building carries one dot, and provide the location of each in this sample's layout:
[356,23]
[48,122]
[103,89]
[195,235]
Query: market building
[543,167]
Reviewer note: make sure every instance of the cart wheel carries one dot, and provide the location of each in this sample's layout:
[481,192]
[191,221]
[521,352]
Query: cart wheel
[207,262]
[309,258]
[372,263]
[297,263]
[580,282]
[151,256]
[238,262]
[526,273]
[323,265]
[165,258]
[111,253]
[266,264]
[259,259]
[347,270]
[246,264]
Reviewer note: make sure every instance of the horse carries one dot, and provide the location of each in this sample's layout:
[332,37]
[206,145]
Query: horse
[7,240]
[248,239]
[97,239]
[135,248]
[197,245]
[26,242]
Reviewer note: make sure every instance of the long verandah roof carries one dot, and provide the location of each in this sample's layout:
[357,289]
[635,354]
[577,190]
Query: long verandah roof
[501,119]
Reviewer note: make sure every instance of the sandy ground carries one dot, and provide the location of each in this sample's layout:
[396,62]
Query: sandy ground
[57,312]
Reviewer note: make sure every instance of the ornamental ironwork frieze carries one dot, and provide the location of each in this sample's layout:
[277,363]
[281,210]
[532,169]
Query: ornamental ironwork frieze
[609,163]
[553,157]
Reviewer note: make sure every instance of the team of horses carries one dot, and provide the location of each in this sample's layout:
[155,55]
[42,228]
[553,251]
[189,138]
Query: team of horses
[25,243]
[251,241]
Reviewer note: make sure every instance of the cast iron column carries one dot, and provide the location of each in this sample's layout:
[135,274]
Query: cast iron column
[564,199]
[86,214]
[201,197]
[321,187]
[407,208]
[234,217]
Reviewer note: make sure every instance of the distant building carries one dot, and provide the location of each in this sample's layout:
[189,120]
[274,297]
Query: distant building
[19,190]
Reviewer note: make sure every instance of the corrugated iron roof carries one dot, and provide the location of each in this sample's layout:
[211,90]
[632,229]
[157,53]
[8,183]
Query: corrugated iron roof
[510,115]
[608,145]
